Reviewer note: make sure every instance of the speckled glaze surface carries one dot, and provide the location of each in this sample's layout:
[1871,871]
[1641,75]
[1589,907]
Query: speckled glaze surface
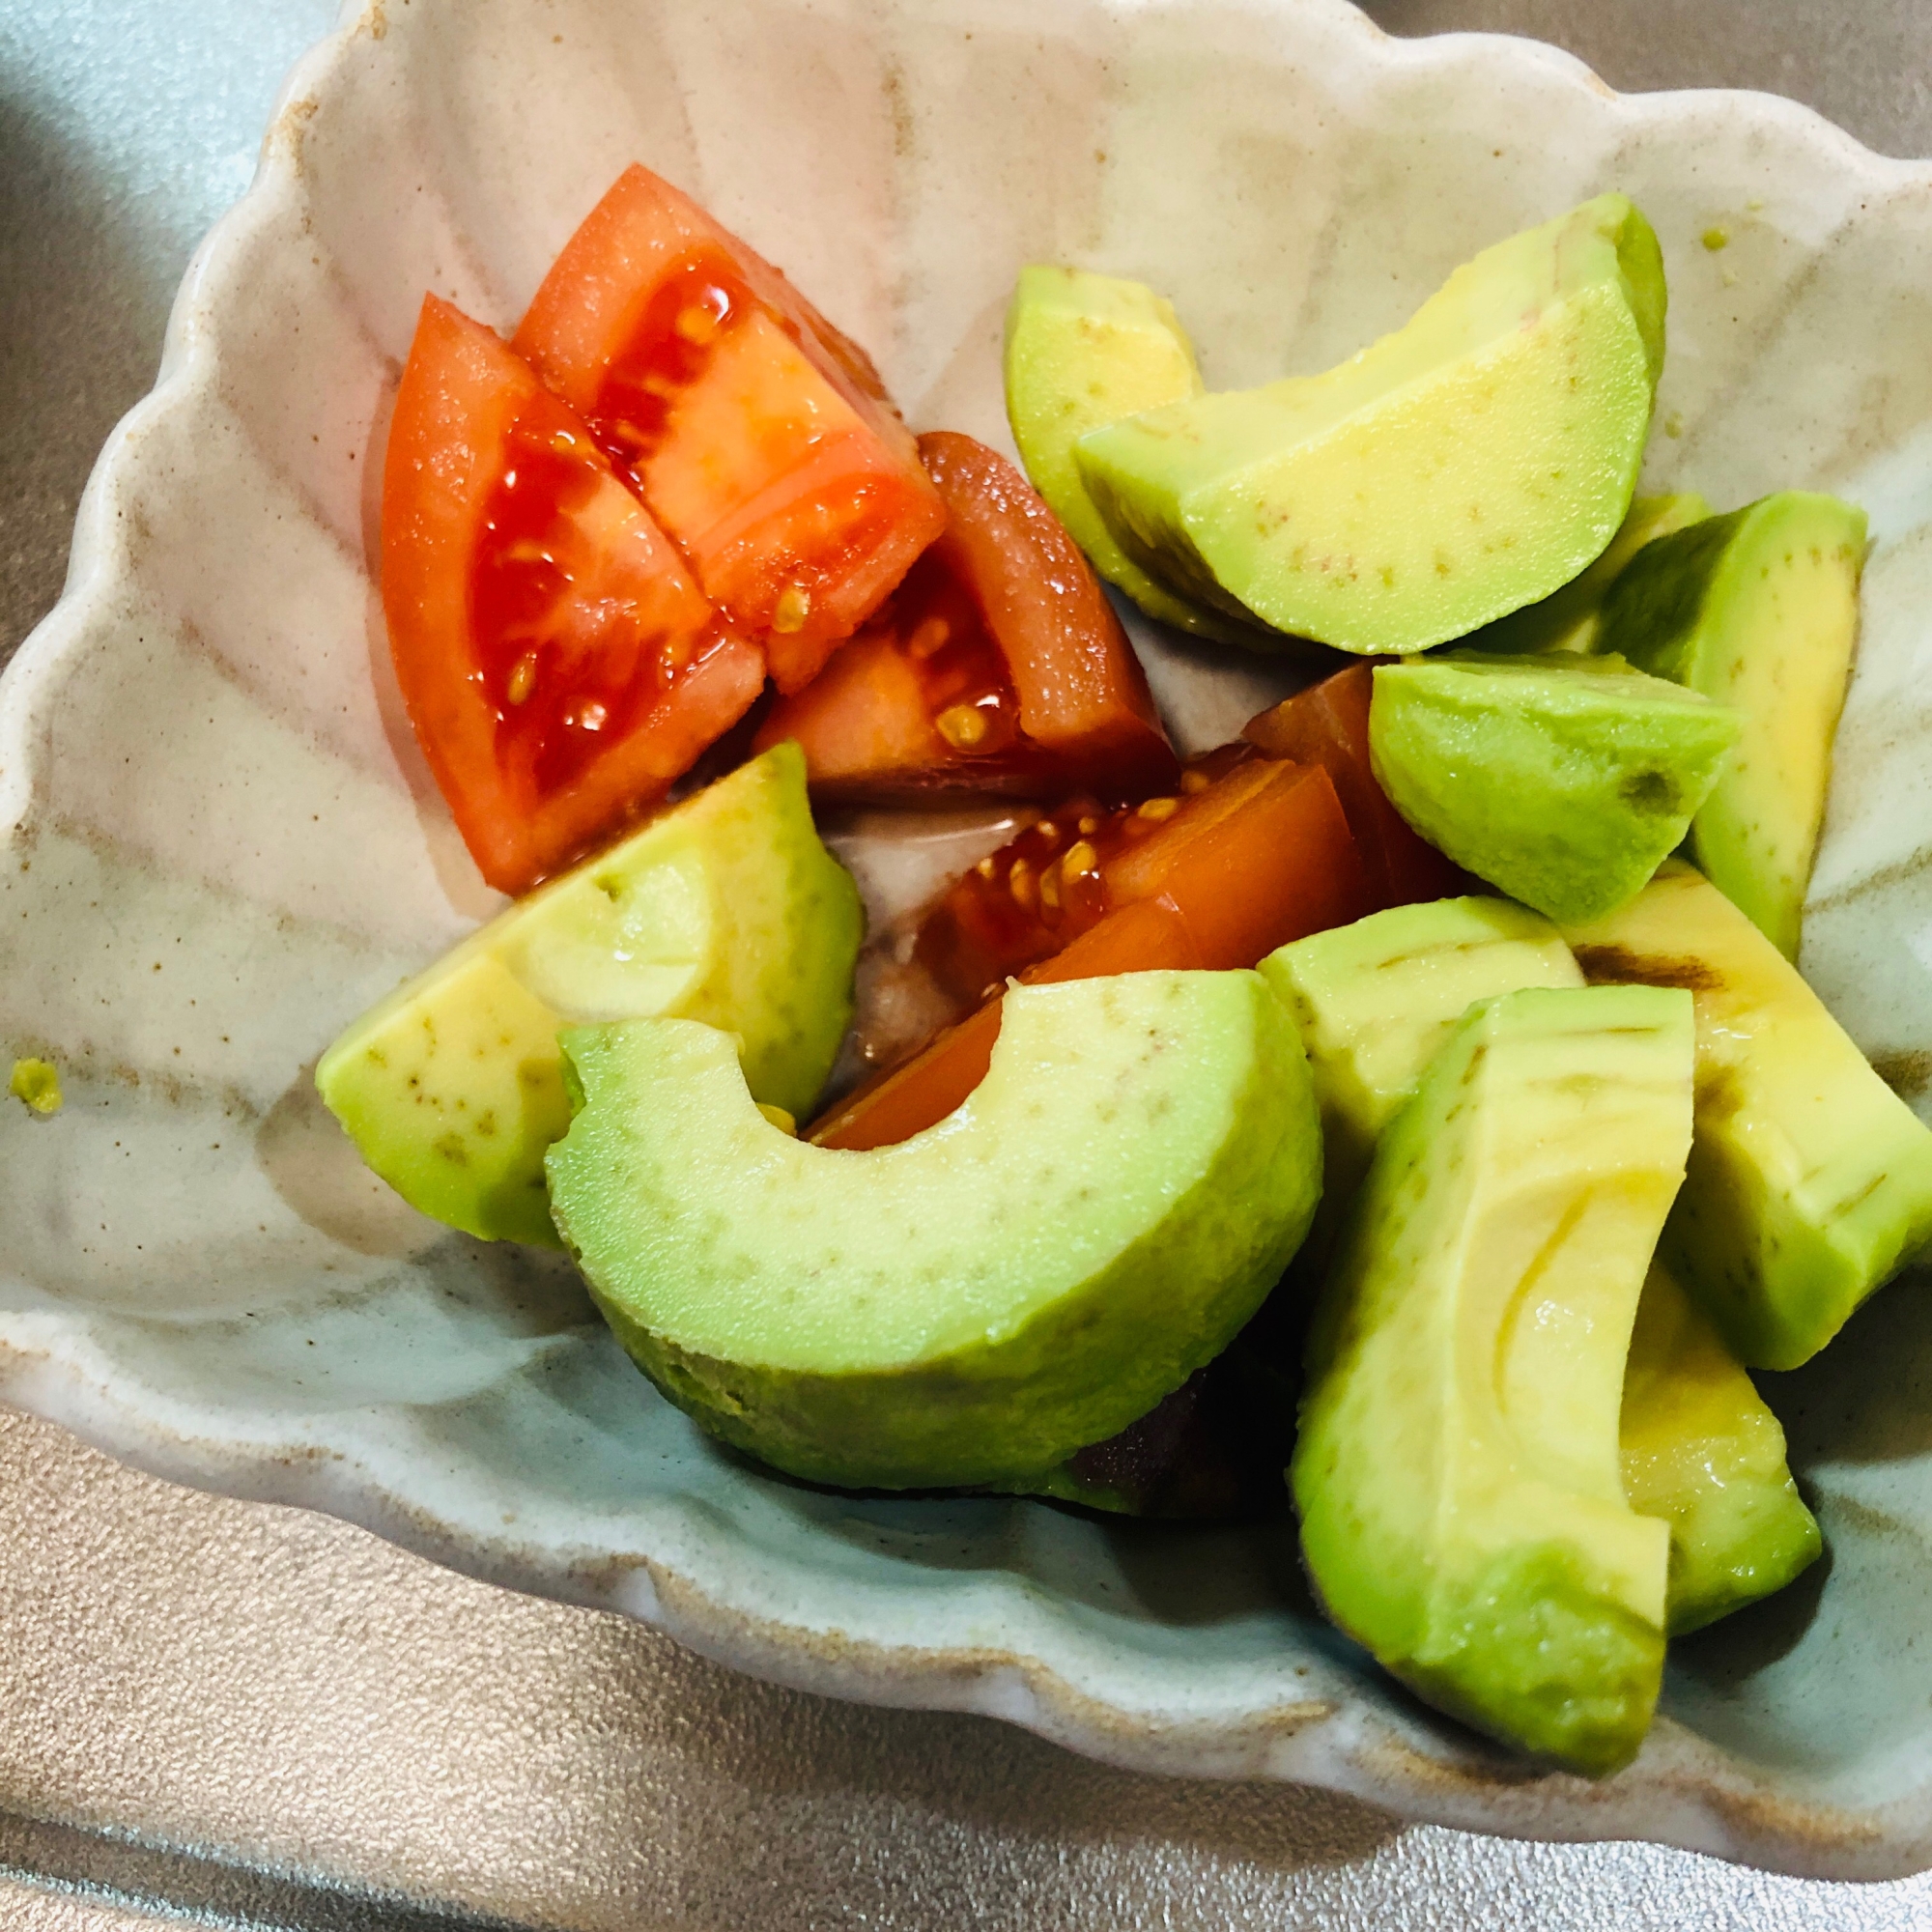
[222,844]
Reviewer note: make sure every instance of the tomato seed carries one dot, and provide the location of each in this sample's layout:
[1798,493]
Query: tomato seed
[961,726]
[793,608]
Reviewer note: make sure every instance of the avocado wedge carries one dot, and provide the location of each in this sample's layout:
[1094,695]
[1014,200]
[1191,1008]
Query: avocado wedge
[1457,1471]
[1562,781]
[1082,350]
[1759,611]
[726,908]
[1811,1181]
[1378,1000]
[1473,462]
[1702,1451]
[969,1307]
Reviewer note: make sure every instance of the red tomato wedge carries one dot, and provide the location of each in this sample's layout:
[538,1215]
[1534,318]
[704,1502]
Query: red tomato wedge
[762,438]
[998,667]
[1327,724]
[560,665]
[1260,857]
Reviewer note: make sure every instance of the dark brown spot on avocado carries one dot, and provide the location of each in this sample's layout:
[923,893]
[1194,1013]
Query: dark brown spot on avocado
[1620,966]
[1651,791]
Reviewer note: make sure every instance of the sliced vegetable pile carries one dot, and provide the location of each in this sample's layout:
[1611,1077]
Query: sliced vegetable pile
[1375,1098]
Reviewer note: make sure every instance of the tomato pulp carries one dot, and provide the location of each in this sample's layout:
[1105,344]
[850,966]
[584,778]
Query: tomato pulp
[1060,876]
[1327,724]
[559,663]
[759,436]
[997,666]
[1257,856]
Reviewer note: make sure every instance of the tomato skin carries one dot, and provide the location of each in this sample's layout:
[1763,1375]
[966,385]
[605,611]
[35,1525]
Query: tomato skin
[1327,724]
[1031,688]
[1264,857]
[761,438]
[1083,695]
[561,667]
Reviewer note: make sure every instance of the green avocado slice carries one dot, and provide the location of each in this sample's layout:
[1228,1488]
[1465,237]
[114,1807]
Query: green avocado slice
[968,1307]
[1702,1451]
[1082,350]
[1378,1000]
[1470,463]
[1811,1181]
[1758,610]
[1562,781]
[1458,1470]
[726,908]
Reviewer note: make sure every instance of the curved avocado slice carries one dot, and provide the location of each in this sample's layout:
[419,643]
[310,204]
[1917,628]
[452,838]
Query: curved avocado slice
[1470,463]
[1702,1451]
[1457,1470]
[1082,350]
[1811,1181]
[726,909]
[1375,1002]
[1562,781]
[1758,610]
[970,1306]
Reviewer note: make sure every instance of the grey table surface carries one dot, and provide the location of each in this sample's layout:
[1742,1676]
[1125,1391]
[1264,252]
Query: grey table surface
[242,1716]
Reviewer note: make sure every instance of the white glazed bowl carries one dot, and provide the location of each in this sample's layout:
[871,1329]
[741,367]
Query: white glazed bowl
[223,844]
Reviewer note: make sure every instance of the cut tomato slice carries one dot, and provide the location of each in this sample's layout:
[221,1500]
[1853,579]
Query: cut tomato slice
[1035,895]
[998,667]
[1327,724]
[560,665]
[761,438]
[1264,856]
[1063,874]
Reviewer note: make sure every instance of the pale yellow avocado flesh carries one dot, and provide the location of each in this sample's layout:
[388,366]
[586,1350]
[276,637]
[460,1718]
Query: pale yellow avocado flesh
[726,908]
[1376,1002]
[1571,619]
[1473,462]
[1758,610]
[1458,1470]
[1703,1452]
[1082,350]
[1811,1181]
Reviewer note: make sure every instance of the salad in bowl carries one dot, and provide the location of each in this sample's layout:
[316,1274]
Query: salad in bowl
[1125,831]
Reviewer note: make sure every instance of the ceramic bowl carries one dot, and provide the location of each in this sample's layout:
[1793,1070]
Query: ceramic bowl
[222,843]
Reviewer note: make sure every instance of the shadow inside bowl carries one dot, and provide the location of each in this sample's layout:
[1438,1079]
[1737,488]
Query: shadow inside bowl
[1831,1678]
